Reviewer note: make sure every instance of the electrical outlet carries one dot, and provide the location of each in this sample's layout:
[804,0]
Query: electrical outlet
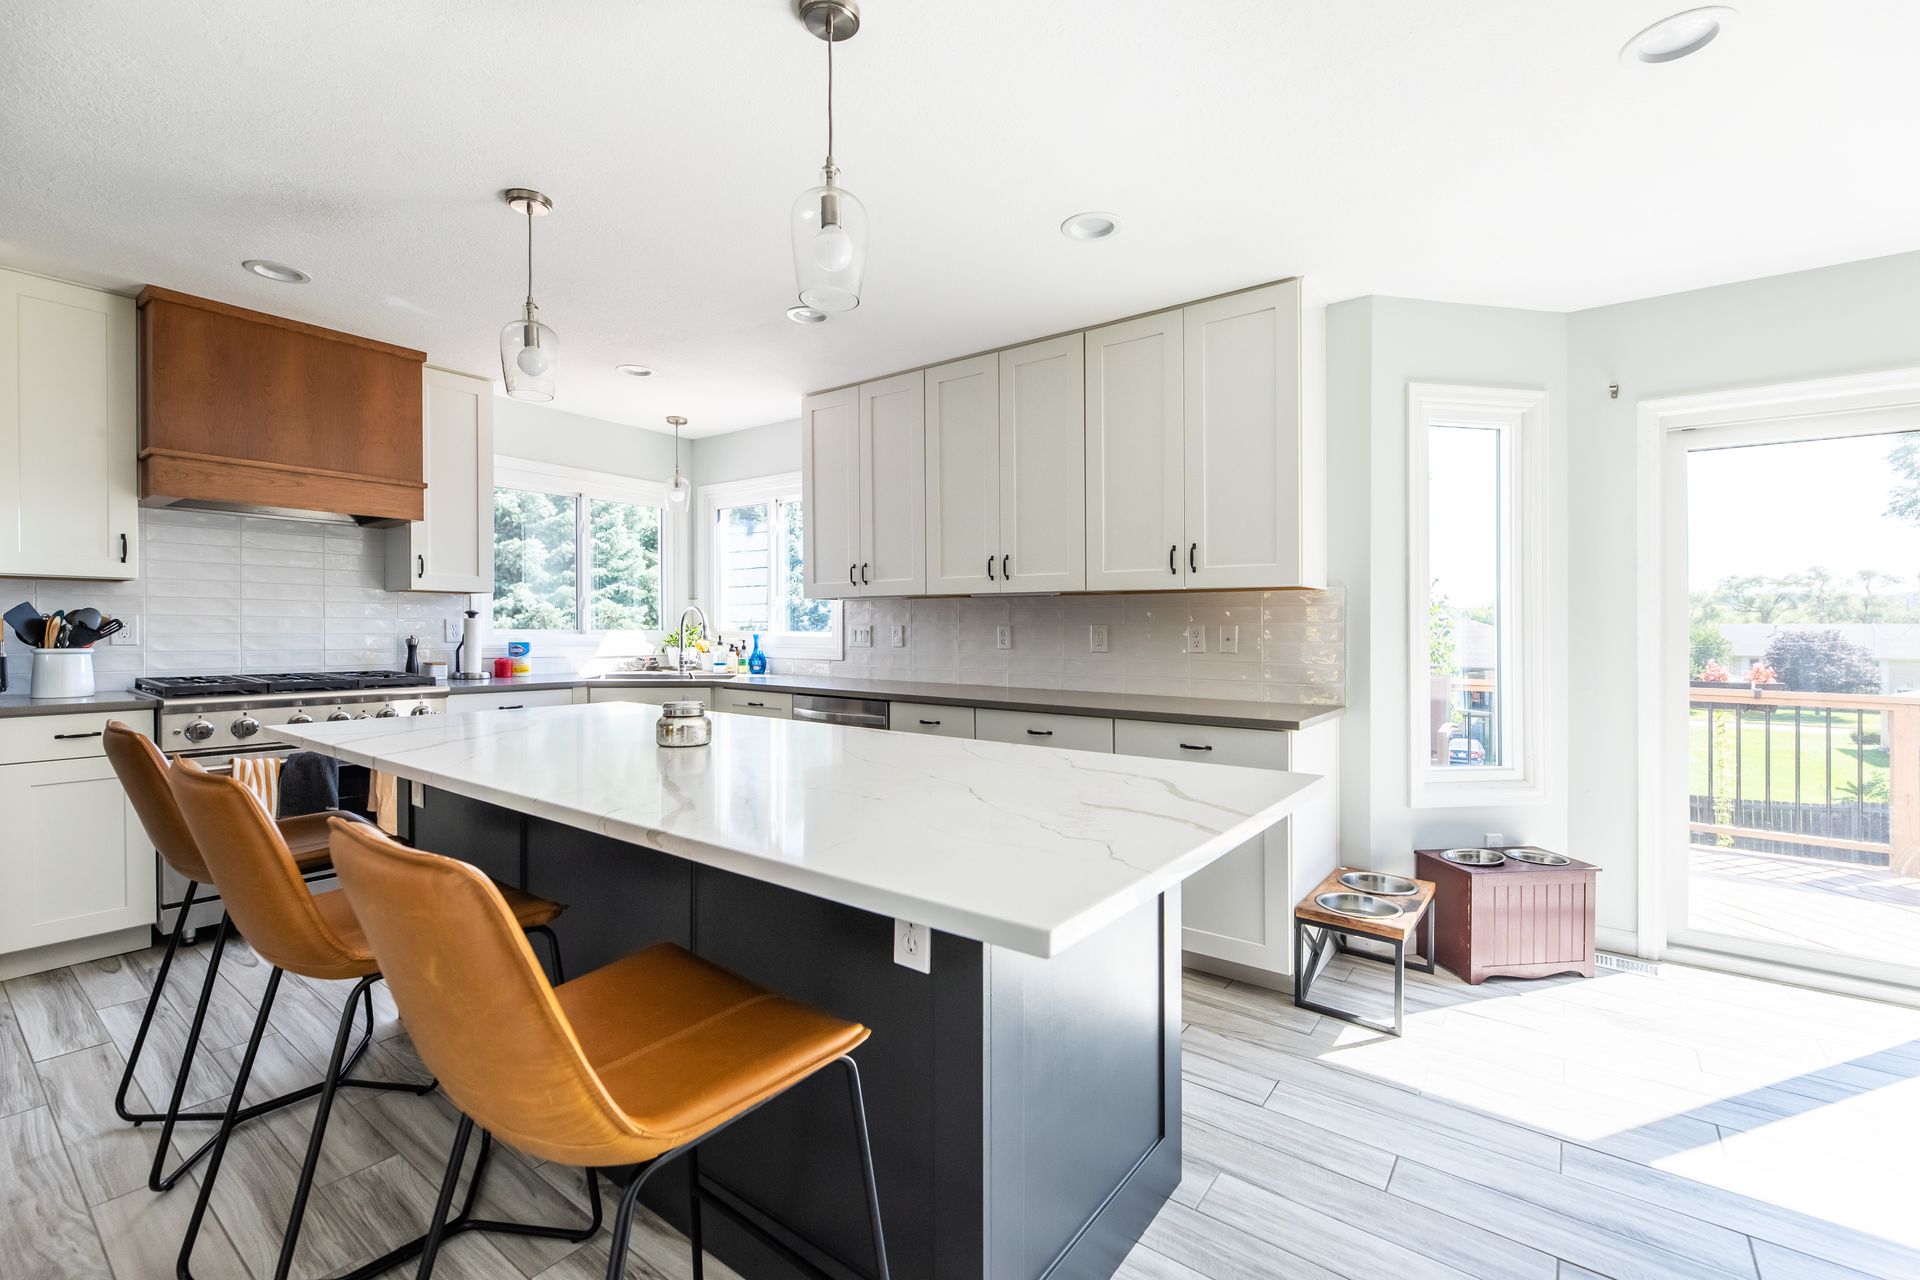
[1003,636]
[1229,640]
[1196,638]
[862,638]
[451,631]
[912,946]
[899,635]
[129,632]
[1097,637]
[1495,840]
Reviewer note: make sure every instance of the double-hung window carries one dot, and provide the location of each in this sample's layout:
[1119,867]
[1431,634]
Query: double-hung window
[576,551]
[756,571]
[1476,556]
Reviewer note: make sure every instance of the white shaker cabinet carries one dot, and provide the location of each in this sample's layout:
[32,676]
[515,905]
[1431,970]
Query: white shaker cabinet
[69,487]
[893,526]
[830,485]
[451,548]
[1136,450]
[1248,512]
[1043,527]
[963,476]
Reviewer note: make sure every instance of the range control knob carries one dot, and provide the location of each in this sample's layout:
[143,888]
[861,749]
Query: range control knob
[385,713]
[339,715]
[421,709]
[245,727]
[363,716]
[199,731]
[299,717]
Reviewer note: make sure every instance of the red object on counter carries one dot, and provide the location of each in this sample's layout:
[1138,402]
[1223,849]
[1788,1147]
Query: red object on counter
[502,668]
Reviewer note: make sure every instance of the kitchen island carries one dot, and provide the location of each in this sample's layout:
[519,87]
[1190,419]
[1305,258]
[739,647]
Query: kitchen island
[1024,1092]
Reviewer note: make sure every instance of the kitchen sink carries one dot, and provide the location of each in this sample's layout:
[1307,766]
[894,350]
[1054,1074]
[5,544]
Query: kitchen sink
[663,677]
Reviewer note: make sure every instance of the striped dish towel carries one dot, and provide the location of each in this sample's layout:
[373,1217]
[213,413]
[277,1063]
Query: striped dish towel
[260,775]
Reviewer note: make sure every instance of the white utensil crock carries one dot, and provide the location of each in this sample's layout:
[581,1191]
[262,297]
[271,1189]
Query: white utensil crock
[62,673]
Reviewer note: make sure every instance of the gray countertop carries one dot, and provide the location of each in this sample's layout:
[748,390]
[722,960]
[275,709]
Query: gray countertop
[1228,712]
[19,704]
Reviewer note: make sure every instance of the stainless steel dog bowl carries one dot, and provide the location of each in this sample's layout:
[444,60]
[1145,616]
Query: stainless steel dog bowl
[1361,906]
[1538,857]
[1474,857]
[1380,884]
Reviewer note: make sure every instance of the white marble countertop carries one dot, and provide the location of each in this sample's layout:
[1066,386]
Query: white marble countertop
[1030,848]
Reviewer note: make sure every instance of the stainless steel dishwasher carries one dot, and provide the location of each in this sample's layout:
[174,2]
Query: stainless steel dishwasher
[864,713]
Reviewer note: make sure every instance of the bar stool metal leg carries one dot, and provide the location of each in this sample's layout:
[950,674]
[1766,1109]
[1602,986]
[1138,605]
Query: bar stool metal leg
[183,1267]
[866,1167]
[693,1214]
[146,1017]
[156,1181]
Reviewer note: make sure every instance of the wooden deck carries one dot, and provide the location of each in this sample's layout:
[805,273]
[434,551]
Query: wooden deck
[1804,902]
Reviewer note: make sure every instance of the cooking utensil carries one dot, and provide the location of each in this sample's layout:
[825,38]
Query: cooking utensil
[1474,857]
[107,628]
[55,624]
[1380,884]
[85,617]
[1360,906]
[1538,857]
[81,637]
[25,621]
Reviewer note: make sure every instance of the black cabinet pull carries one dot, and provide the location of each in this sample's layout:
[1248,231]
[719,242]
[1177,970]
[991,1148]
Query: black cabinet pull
[1193,551]
[1188,746]
[990,577]
[1006,574]
[930,722]
[62,737]
[516,706]
[850,578]
[1041,733]
[123,548]
[864,581]
[1172,547]
[422,572]
[757,704]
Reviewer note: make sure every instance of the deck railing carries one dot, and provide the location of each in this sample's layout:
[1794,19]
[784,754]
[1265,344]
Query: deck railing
[1810,788]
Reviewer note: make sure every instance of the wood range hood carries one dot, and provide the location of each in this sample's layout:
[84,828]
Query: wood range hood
[243,411]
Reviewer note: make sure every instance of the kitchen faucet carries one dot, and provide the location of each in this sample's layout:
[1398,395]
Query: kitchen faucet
[680,655]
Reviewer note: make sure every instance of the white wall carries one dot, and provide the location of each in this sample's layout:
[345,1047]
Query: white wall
[1853,318]
[1375,348]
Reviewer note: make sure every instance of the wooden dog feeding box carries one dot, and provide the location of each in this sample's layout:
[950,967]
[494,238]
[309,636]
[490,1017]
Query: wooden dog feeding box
[1515,919]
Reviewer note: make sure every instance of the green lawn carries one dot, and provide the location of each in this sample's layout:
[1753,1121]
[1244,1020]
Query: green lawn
[1754,750]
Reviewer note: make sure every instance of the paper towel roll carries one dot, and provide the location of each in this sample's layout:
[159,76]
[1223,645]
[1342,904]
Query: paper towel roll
[472,641]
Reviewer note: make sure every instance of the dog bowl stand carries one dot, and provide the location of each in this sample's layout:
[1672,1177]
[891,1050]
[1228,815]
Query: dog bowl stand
[1319,935]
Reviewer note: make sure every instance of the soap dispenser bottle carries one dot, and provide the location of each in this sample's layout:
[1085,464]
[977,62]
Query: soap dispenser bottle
[757,661]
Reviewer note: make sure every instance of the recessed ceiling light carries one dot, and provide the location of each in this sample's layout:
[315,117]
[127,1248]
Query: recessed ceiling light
[1092,225]
[1674,38]
[278,272]
[633,370]
[806,315]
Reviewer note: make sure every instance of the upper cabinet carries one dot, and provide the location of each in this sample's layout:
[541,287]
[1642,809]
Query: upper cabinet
[1159,453]
[241,407]
[450,548]
[1197,472]
[68,488]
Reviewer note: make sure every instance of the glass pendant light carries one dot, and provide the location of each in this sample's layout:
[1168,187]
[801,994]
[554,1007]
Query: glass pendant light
[529,350]
[681,489]
[829,222]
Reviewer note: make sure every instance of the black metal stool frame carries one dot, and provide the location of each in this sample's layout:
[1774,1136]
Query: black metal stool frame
[429,1246]
[1315,944]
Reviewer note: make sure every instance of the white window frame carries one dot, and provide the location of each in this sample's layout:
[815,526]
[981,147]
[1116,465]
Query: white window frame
[786,486]
[583,484]
[1520,415]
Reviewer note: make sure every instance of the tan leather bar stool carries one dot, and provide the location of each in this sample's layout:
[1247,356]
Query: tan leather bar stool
[296,931]
[142,771]
[636,1063]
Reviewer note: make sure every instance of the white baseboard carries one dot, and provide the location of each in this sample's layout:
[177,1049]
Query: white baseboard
[1793,976]
[1238,972]
[59,955]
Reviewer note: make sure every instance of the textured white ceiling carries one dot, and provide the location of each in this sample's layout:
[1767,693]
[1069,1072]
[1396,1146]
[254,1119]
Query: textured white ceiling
[1469,150]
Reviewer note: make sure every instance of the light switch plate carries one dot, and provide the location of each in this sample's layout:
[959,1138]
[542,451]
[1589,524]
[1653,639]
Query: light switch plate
[1196,638]
[862,638]
[1097,637]
[1003,636]
[912,946]
[1229,640]
[899,635]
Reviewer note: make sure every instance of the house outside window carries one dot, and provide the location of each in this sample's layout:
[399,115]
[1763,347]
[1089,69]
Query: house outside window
[756,571]
[577,552]
[1476,547]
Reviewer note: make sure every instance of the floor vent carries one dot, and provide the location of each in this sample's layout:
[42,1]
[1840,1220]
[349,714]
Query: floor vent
[1625,964]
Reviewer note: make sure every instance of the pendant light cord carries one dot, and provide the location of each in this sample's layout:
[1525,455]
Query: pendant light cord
[530,255]
[830,17]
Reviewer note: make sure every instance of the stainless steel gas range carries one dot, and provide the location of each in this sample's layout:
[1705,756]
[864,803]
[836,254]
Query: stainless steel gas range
[212,719]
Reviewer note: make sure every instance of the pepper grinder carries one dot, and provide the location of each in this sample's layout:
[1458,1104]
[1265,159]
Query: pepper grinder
[413,656]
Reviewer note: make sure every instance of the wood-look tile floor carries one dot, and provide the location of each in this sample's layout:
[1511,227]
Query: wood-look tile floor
[1686,1125]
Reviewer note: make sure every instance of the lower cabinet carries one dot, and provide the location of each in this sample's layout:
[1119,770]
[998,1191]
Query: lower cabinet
[924,717]
[74,862]
[754,702]
[656,694]
[1044,729]
[460,704]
